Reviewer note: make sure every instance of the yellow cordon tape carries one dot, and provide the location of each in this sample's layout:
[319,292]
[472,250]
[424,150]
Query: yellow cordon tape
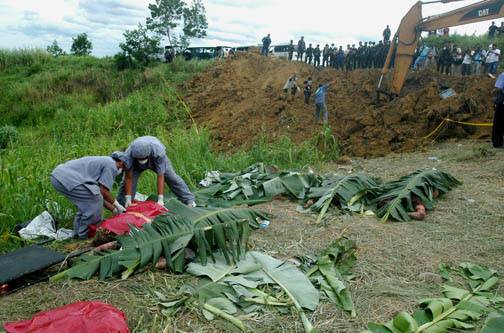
[447,120]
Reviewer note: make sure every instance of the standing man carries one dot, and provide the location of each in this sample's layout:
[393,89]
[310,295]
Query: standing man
[320,102]
[332,55]
[467,62]
[316,55]
[301,47]
[266,42]
[479,55]
[309,54]
[498,121]
[148,153]
[307,91]
[340,58]
[445,60]
[386,34]
[325,56]
[87,183]
[492,59]
[290,49]
[492,30]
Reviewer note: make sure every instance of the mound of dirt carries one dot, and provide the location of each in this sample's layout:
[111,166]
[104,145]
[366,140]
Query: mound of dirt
[238,99]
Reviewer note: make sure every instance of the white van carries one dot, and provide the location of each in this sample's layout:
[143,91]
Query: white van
[282,51]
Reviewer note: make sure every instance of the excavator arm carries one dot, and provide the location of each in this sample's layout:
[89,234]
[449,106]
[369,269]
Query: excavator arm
[405,41]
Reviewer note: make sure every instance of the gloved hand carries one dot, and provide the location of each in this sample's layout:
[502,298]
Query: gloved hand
[118,208]
[160,200]
[191,204]
[127,202]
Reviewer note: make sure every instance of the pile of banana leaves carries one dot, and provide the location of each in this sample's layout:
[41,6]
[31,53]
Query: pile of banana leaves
[353,193]
[458,309]
[203,230]
[236,291]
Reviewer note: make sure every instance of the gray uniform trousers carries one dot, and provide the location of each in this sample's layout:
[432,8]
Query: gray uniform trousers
[89,206]
[174,181]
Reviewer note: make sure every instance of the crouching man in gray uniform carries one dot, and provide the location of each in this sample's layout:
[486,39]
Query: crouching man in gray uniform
[87,183]
[148,153]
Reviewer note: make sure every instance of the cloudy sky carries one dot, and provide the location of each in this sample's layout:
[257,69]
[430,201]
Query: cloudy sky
[35,23]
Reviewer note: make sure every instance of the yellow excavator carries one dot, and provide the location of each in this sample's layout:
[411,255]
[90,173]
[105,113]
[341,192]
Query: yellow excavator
[406,39]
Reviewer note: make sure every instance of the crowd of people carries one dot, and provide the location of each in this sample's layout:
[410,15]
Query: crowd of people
[450,60]
[453,60]
[364,55]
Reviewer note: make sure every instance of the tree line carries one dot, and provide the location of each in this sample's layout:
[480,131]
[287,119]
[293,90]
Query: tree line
[176,20]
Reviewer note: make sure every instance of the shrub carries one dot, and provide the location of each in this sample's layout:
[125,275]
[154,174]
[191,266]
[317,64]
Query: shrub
[8,135]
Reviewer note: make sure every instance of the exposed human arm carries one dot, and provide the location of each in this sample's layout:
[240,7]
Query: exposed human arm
[128,185]
[108,200]
[331,83]
[160,189]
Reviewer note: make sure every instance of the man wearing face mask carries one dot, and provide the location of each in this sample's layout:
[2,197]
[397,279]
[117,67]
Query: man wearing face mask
[87,183]
[148,153]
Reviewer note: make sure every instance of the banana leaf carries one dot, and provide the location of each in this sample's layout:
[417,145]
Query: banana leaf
[260,269]
[328,273]
[167,236]
[395,199]
[458,309]
[339,190]
[494,323]
[204,217]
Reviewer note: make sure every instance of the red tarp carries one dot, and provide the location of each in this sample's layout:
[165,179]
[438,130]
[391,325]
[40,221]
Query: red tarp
[80,317]
[137,214]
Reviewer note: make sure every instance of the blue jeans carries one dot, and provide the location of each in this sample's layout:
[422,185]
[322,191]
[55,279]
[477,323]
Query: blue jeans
[492,67]
[321,111]
[265,50]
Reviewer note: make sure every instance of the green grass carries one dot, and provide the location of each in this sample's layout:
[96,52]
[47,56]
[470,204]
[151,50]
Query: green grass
[23,57]
[68,107]
[464,41]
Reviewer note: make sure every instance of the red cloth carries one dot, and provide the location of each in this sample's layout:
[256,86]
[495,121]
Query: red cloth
[80,317]
[137,214]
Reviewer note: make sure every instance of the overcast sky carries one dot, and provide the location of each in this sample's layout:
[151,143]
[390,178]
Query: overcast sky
[36,23]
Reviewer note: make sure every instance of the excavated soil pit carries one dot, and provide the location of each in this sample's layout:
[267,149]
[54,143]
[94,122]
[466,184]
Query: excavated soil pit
[238,99]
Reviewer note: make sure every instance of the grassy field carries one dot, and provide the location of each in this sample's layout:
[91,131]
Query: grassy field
[466,225]
[69,107]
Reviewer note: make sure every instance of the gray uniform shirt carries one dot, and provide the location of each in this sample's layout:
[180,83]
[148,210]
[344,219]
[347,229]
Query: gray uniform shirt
[147,147]
[92,170]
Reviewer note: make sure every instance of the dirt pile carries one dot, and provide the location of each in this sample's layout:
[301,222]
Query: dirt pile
[238,99]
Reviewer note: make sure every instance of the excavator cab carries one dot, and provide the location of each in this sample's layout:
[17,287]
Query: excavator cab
[405,41]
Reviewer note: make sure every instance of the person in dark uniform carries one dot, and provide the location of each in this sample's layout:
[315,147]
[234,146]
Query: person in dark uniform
[325,56]
[358,55]
[445,61]
[332,56]
[386,34]
[316,55]
[307,91]
[309,54]
[340,58]
[301,47]
[290,50]
[498,121]
[492,30]
[266,42]
[351,58]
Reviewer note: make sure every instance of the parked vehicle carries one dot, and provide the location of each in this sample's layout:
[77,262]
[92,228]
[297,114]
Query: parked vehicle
[282,51]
